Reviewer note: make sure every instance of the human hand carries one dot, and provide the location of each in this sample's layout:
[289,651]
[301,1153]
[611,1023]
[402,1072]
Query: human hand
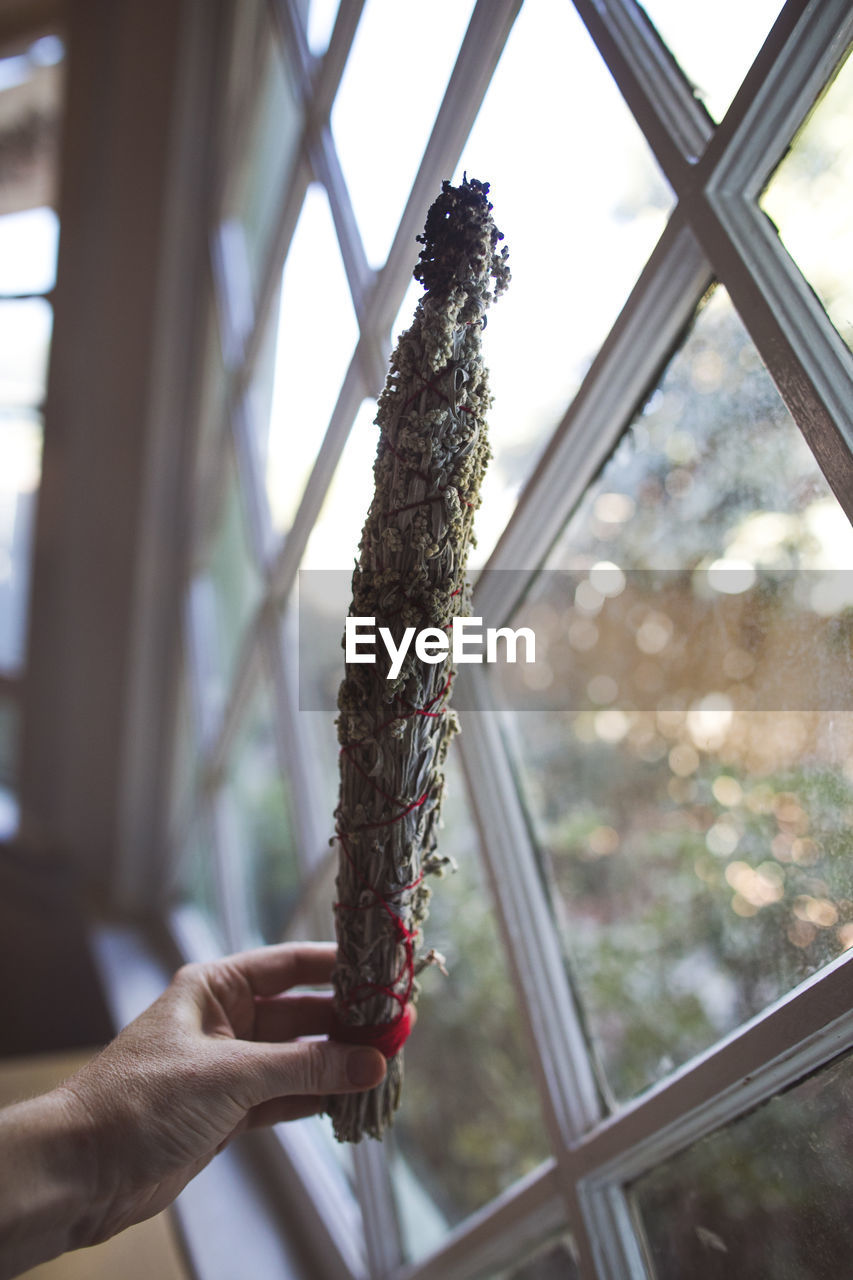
[218,1052]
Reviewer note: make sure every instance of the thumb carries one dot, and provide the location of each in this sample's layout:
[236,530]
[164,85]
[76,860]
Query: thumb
[314,1067]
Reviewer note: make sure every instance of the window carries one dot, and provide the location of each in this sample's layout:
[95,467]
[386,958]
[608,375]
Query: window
[652,979]
[31,85]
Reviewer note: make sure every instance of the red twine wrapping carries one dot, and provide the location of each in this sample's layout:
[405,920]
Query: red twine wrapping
[388,1038]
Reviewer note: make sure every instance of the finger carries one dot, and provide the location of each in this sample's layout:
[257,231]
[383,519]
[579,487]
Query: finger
[270,970]
[280,1110]
[260,1072]
[286,1017]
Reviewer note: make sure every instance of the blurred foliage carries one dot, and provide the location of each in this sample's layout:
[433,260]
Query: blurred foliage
[767,1196]
[262,808]
[696,855]
[471,1124]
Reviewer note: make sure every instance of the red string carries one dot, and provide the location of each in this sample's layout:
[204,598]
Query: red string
[388,1038]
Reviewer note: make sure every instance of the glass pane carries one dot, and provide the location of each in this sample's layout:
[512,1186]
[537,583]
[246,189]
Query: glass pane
[579,232]
[25,329]
[31,90]
[462,1135]
[8,741]
[313,920]
[398,68]
[555,1259]
[226,595]
[767,1196]
[810,198]
[314,917]
[697,855]
[20,471]
[264,833]
[8,768]
[198,879]
[185,765]
[715,53]
[324,595]
[316,316]
[211,422]
[321,20]
[336,534]
[263,161]
[28,244]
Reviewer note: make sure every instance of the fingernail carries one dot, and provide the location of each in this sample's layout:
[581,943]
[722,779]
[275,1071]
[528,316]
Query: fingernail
[363,1067]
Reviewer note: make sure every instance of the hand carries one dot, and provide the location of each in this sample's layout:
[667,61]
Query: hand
[218,1052]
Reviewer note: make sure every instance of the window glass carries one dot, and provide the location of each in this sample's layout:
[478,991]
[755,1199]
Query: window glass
[715,55]
[314,340]
[20,472]
[8,768]
[25,329]
[579,230]
[336,533]
[767,1196]
[810,197]
[324,594]
[398,68]
[211,419]
[226,595]
[469,1124]
[698,853]
[186,764]
[313,920]
[264,840]
[28,244]
[554,1259]
[263,163]
[321,21]
[198,877]
[31,90]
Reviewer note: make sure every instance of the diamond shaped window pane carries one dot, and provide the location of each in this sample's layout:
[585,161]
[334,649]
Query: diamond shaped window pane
[579,223]
[28,244]
[224,597]
[766,1196]
[716,53]
[20,472]
[810,199]
[336,534]
[698,853]
[25,329]
[462,1136]
[321,21]
[308,350]
[9,736]
[391,89]
[265,150]
[198,878]
[262,832]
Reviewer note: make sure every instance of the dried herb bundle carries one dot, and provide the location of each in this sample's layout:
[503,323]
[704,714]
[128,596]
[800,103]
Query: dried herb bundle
[394,734]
